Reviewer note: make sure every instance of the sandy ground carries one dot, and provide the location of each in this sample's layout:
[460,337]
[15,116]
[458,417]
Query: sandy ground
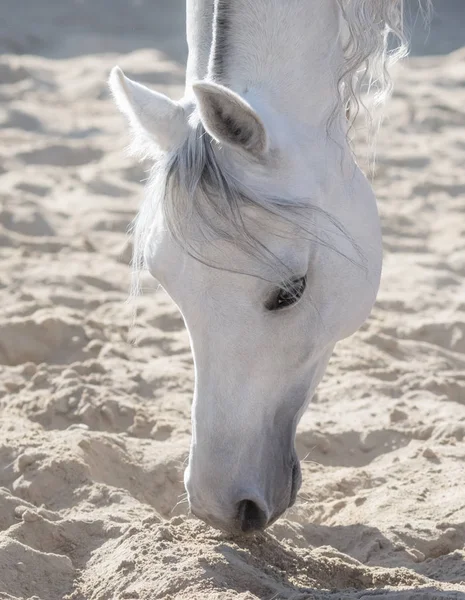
[95,431]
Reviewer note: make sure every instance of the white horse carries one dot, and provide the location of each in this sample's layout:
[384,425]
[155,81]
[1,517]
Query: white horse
[260,226]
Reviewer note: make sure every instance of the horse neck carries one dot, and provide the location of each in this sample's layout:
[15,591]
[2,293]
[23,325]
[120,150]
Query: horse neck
[286,53]
[199,30]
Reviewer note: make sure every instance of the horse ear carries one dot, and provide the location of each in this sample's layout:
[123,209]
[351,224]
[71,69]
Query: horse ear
[229,119]
[155,119]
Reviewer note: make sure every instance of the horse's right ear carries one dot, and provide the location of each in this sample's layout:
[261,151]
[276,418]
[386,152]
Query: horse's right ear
[154,118]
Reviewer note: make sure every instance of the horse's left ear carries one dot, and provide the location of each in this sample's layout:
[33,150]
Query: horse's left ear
[156,120]
[229,119]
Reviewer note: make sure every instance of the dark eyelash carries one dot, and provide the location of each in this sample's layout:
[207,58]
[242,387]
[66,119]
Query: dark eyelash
[287,295]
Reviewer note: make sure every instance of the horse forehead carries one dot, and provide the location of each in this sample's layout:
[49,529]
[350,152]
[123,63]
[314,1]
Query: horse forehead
[185,264]
[168,259]
[191,283]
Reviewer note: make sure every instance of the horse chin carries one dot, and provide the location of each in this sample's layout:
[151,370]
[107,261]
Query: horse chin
[296,482]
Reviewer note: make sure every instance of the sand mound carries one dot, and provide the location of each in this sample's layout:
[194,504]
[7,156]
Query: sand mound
[94,431]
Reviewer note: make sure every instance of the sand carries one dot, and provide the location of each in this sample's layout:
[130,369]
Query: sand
[94,430]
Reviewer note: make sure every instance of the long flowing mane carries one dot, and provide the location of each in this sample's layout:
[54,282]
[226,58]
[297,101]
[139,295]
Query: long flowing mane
[190,185]
[377,38]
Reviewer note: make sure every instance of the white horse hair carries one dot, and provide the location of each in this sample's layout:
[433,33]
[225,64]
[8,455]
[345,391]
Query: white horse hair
[190,186]
[259,224]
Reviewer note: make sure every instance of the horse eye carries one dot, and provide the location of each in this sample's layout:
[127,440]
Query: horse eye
[288,295]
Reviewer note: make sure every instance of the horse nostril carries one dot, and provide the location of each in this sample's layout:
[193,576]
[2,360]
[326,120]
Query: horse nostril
[250,516]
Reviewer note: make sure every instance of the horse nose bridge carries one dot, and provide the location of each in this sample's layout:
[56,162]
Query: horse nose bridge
[243,458]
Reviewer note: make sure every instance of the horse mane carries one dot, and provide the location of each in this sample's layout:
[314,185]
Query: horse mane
[377,38]
[191,187]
